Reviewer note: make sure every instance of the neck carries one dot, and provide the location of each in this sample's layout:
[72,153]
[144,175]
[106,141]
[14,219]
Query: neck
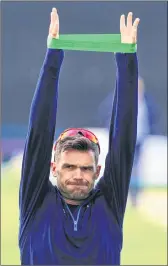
[73,202]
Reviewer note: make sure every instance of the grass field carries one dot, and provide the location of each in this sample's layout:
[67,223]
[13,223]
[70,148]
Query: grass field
[145,241]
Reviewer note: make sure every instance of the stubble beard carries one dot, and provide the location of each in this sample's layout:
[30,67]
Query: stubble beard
[76,194]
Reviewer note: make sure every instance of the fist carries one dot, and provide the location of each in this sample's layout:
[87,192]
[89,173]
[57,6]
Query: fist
[54,24]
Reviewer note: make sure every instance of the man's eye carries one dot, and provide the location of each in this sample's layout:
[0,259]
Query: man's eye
[69,166]
[87,169]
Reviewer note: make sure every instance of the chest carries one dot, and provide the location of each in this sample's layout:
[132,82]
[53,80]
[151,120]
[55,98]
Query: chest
[56,224]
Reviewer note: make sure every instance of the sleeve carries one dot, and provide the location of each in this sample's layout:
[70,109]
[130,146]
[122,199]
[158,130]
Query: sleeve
[122,135]
[38,147]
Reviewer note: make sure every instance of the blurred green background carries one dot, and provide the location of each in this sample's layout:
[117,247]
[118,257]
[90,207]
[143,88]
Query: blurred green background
[145,237]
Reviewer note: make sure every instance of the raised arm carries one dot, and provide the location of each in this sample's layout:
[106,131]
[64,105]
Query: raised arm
[41,129]
[123,127]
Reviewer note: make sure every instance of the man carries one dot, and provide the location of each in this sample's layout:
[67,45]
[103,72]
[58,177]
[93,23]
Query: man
[75,223]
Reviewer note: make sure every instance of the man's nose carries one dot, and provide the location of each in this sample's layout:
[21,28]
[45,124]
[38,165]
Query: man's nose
[78,173]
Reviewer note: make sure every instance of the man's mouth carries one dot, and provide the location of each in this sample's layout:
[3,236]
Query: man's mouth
[77,184]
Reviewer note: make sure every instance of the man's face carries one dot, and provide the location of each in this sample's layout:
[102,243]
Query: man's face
[76,172]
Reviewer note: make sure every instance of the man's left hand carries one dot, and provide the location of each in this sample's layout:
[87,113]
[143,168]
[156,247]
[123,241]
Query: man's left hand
[129,31]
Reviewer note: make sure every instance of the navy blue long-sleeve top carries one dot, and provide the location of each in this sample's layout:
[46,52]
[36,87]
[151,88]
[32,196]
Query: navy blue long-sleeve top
[49,233]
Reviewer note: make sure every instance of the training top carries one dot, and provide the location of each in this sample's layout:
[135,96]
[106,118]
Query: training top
[50,233]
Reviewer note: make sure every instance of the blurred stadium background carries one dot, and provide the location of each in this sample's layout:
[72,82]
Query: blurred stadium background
[87,78]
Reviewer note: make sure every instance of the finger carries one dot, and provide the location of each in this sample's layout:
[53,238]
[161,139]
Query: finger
[129,20]
[55,30]
[136,23]
[134,29]
[122,23]
[53,15]
[52,18]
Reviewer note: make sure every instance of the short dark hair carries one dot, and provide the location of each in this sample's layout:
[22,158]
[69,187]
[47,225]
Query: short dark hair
[77,142]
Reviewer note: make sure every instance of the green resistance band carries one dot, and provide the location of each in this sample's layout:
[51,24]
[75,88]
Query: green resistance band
[91,42]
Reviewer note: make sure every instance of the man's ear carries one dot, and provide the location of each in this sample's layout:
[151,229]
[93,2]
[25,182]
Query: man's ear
[53,168]
[98,169]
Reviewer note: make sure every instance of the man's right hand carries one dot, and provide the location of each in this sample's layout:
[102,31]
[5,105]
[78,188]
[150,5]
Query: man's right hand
[54,24]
